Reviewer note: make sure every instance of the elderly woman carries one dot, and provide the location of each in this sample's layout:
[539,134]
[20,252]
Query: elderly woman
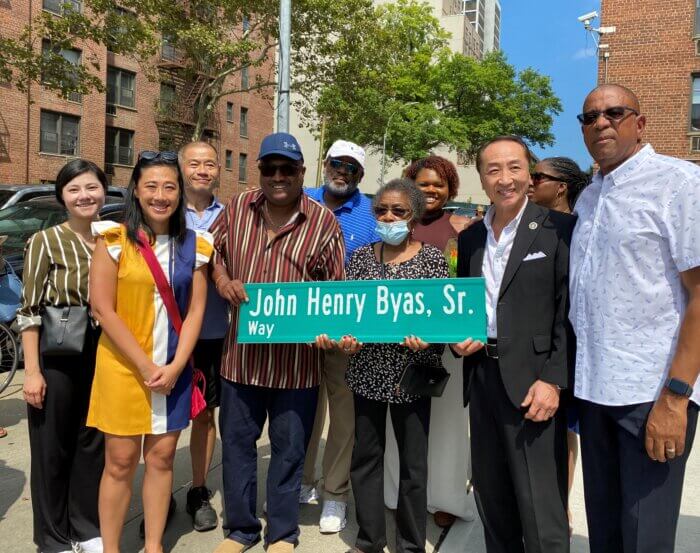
[375,370]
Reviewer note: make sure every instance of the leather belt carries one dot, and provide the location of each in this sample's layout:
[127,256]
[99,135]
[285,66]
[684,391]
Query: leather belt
[491,349]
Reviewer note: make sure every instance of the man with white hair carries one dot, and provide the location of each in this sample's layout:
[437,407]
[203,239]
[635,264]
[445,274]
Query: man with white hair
[343,170]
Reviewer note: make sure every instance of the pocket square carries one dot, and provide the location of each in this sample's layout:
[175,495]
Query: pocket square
[534,255]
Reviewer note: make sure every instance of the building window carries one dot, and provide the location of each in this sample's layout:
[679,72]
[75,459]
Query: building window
[59,134]
[167,96]
[695,107]
[229,159]
[242,167]
[168,52]
[120,87]
[229,112]
[244,122]
[119,147]
[117,25]
[71,55]
[245,81]
[697,18]
[59,7]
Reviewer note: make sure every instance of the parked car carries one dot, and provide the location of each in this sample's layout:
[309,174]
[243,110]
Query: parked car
[12,194]
[20,221]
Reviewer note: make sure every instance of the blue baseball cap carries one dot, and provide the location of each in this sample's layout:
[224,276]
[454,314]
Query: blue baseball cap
[281,144]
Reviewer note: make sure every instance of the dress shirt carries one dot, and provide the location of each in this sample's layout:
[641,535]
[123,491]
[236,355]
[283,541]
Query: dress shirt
[496,257]
[638,228]
[308,248]
[355,218]
[216,319]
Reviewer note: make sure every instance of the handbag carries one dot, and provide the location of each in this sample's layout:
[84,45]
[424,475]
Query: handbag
[10,293]
[197,403]
[422,379]
[63,329]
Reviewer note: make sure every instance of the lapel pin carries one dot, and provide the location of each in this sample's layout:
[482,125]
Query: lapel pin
[532,226]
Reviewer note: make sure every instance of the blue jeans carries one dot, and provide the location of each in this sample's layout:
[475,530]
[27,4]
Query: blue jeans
[242,415]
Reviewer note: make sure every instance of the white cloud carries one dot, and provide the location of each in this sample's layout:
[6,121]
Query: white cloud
[584,53]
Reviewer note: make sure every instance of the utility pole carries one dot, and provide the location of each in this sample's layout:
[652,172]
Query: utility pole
[284,62]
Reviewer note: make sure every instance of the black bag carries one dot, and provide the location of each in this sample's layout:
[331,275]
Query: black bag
[63,330]
[420,379]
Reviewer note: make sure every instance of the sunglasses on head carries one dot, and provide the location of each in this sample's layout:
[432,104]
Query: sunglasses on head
[616,113]
[400,212]
[349,168]
[167,157]
[285,169]
[538,177]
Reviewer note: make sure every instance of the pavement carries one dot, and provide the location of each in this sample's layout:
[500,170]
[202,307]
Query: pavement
[462,537]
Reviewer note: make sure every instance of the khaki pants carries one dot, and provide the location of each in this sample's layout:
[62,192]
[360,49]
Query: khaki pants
[341,430]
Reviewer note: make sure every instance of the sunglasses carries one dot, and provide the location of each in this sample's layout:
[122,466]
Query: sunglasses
[539,177]
[286,169]
[400,212]
[167,157]
[349,168]
[616,113]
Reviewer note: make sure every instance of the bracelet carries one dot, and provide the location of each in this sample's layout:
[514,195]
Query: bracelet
[216,282]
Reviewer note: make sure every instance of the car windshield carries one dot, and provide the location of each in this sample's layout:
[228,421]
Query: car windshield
[20,221]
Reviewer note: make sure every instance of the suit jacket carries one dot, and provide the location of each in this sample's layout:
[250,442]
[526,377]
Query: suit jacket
[534,335]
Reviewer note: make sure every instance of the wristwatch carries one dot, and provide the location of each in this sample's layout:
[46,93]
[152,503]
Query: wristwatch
[678,387]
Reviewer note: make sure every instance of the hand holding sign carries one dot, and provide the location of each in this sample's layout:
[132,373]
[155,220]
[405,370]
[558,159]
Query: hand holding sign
[414,343]
[467,347]
[233,291]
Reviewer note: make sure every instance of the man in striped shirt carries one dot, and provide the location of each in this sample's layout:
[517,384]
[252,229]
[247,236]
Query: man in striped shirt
[343,170]
[274,234]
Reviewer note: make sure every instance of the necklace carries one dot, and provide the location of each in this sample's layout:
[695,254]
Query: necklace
[275,226]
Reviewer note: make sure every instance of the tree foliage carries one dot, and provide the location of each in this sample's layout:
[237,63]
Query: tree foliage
[403,79]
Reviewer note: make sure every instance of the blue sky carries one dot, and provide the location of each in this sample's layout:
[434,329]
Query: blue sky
[546,35]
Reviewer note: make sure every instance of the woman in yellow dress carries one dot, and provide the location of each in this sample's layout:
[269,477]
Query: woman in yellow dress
[142,388]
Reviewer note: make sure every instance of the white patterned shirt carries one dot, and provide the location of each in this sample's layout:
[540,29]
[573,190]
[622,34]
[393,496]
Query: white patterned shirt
[638,228]
[496,255]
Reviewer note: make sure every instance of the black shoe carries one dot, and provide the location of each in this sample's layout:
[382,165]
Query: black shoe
[171,513]
[203,514]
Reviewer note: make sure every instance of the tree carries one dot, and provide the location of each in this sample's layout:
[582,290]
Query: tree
[401,77]
[214,40]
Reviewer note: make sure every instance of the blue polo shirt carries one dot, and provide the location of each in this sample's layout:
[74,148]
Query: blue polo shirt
[355,218]
[216,319]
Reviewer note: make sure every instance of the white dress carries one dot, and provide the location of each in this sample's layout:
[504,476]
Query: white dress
[449,464]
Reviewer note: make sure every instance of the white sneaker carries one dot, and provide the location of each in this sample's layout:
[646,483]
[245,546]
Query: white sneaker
[333,517]
[308,494]
[91,546]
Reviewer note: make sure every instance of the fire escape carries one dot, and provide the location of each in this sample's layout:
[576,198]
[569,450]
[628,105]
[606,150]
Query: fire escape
[178,101]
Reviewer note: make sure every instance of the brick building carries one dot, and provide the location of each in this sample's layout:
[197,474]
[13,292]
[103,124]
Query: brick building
[39,131]
[655,51]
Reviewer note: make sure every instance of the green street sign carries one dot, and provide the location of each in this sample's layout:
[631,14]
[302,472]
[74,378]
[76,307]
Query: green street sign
[436,310]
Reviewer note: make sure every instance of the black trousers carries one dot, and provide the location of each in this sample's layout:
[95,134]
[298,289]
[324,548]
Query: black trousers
[519,470]
[632,502]
[411,422]
[67,458]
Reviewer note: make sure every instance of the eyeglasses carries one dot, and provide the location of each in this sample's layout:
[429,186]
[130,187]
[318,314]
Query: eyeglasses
[286,169]
[400,212]
[167,157]
[539,177]
[616,113]
[349,168]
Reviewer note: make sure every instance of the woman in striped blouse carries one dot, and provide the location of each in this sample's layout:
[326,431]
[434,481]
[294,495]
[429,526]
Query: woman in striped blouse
[67,457]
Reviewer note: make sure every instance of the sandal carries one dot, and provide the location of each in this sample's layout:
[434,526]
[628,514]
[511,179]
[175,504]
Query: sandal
[3,432]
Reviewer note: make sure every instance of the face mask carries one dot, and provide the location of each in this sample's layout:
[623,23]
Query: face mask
[392,233]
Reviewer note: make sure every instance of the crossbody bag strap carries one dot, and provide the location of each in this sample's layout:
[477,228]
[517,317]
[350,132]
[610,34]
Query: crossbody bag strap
[164,288]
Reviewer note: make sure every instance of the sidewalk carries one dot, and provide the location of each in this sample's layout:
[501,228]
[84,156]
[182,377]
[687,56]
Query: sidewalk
[463,537]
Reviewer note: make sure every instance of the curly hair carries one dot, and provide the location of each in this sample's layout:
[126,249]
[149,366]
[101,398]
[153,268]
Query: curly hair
[404,186]
[443,167]
[569,171]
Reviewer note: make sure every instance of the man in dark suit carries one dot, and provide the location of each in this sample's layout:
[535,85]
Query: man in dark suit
[513,382]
